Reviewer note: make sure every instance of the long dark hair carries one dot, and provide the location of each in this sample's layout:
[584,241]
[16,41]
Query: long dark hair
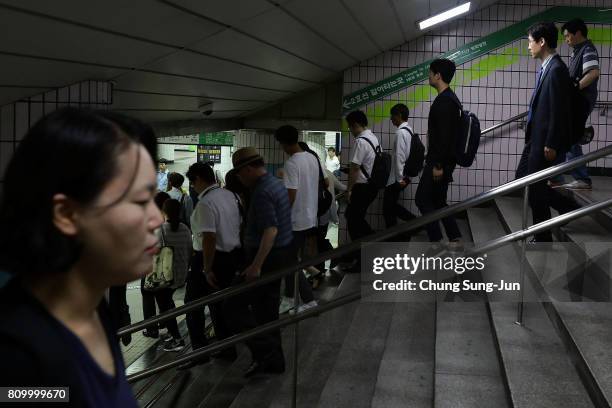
[172,209]
[70,151]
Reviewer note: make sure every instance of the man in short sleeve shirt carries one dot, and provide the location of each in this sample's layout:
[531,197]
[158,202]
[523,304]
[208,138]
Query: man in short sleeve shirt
[215,225]
[361,193]
[268,248]
[584,73]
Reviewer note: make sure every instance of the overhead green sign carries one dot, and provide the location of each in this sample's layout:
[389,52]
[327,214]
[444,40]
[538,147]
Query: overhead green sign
[217,139]
[471,51]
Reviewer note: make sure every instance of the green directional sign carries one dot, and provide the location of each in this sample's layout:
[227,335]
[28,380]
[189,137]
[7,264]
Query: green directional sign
[471,51]
[217,139]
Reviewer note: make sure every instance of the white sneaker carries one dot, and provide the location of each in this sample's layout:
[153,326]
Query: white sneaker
[286,305]
[306,306]
[578,185]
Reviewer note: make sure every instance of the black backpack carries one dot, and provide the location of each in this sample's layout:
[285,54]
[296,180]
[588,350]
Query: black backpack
[414,162]
[468,137]
[380,169]
[325,197]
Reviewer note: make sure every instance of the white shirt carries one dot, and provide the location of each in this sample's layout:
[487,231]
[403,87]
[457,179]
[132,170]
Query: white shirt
[175,193]
[302,174]
[364,154]
[217,211]
[332,164]
[400,153]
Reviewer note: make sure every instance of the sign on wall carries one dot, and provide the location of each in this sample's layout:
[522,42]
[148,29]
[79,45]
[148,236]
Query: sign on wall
[208,153]
[217,138]
[471,51]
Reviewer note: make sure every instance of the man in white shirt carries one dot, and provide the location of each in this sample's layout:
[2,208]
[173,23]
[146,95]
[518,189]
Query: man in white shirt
[215,225]
[162,175]
[360,193]
[175,184]
[392,210]
[332,163]
[301,177]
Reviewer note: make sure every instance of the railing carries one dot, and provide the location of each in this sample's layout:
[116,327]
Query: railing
[522,183]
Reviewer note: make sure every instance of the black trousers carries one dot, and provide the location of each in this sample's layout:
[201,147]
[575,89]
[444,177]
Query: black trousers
[392,210]
[431,196]
[163,298]
[299,243]
[260,306]
[541,196]
[362,195]
[323,244]
[225,266]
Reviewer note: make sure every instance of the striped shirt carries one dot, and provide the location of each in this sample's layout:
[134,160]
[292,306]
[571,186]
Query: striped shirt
[269,207]
[585,58]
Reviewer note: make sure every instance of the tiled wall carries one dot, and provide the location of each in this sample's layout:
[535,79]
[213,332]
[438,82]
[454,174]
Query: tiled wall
[496,87]
[16,118]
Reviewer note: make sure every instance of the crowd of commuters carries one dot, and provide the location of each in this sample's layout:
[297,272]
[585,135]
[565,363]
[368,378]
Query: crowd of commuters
[91,231]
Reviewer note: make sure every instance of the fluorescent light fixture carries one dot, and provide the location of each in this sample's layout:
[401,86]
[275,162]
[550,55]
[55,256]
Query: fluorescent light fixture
[446,15]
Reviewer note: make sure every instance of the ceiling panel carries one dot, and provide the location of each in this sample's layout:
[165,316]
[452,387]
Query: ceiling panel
[30,72]
[279,28]
[144,81]
[411,12]
[143,18]
[379,20]
[73,43]
[122,100]
[186,63]
[161,116]
[157,116]
[230,12]
[234,45]
[331,19]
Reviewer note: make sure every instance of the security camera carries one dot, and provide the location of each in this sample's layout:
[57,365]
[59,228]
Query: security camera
[206,108]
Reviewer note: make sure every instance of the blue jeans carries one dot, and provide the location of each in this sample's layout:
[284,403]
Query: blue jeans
[579,173]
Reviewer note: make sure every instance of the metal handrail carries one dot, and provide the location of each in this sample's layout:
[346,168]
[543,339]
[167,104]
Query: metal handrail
[379,236]
[356,295]
[504,123]
[240,337]
[522,115]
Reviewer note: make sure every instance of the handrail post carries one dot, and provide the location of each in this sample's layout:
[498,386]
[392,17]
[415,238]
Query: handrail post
[296,303]
[519,314]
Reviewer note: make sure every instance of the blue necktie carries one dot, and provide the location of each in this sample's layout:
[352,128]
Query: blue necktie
[538,78]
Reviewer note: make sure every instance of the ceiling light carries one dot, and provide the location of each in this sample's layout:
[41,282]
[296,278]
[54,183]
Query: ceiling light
[446,15]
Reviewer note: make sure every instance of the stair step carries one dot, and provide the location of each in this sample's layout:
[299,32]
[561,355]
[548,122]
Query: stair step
[353,378]
[538,371]
[589,324]
[405,373]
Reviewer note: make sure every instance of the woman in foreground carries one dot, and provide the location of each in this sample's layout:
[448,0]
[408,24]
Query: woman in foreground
[77,216]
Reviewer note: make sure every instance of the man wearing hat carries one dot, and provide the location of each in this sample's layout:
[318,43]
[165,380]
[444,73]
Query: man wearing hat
[162,175]
[268,247]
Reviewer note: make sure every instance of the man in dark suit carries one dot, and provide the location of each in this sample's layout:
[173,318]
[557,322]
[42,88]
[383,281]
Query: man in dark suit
[547,136]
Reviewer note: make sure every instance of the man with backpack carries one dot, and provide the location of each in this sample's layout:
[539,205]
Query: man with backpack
[584,74]
[443,127]
[365,175]
[175,184]
[400,163]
